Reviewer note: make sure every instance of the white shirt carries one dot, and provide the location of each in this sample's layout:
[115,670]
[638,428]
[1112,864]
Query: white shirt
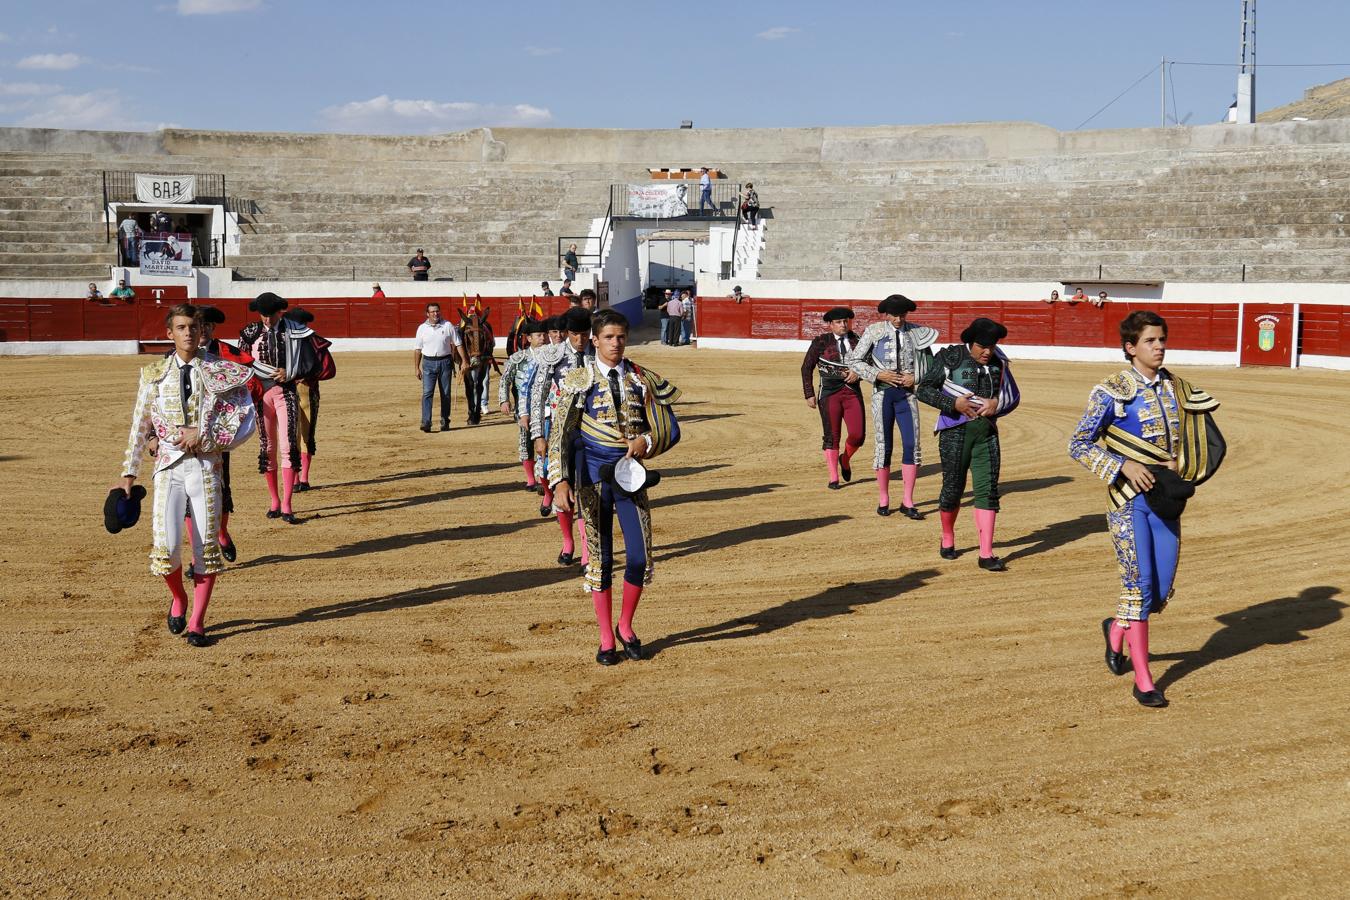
[436,340]
[705,181]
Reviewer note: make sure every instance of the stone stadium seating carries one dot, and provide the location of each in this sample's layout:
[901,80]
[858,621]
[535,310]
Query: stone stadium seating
[1001,202]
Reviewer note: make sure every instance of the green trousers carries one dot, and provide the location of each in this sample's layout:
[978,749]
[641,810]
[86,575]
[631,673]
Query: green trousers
[972,447]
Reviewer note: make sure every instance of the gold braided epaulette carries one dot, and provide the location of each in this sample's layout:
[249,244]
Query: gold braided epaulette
[1122,385]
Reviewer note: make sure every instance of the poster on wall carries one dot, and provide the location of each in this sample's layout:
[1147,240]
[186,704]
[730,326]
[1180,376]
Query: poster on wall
[657,201]
[166,188]
[166,254]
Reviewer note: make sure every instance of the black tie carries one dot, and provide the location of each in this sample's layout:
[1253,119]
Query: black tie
[185,387]
[615,394]
[842,352]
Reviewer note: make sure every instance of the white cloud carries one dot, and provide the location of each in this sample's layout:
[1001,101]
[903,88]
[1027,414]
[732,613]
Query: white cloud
[102,110]
[777,33]
[58,62]
[383,115]
[215,7]
[26,89]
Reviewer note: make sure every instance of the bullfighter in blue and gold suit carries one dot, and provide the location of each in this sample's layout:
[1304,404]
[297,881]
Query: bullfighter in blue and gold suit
[1157,442]
[610,409]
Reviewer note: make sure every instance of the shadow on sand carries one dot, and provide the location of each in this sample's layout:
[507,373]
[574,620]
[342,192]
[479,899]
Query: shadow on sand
[1281,621]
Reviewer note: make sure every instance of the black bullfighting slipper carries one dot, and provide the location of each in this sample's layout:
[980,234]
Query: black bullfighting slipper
[845,471]
[947,552]
[545,511]
[274,514]
[565,559]
[1115,662]
[197,639]
[883,510]
[229,551]
[608,657]
[177,624]
[302,485]
[992,564]
[911,512]
[289,518]
[833,485]
[1153,698]
[631,648]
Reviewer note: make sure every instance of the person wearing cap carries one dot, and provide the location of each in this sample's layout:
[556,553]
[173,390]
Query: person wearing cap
[611,410]
[893,355]
[839,400]
[513,396]
[196,406]
[554,363]
[376,292]
[971,383]
[1151,424]
[665,316]
[419,266]
[265,340]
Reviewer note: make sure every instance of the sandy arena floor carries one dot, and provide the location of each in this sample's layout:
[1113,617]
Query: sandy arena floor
[403,701]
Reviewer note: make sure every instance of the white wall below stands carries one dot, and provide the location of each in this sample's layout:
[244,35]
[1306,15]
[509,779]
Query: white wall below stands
[1015,351]
[918,291]
[69,348]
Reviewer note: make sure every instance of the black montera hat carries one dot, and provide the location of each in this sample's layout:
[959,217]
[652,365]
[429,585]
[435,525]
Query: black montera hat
[212,314]
[839,312]
[122,511]
[301,315]
[577,320]
[985,332]
[268,304]
[897,305]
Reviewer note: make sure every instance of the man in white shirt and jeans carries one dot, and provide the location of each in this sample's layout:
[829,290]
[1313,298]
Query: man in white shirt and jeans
[435,350]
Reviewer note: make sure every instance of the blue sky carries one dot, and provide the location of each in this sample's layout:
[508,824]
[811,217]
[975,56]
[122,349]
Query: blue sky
[402,67]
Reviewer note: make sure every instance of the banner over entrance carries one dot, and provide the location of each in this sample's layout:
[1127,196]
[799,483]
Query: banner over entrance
[657,201]
[166,254]
[166,188]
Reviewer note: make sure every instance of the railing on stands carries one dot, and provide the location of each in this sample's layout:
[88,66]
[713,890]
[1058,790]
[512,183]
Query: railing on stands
[586,257]
[725,199]
[120,187]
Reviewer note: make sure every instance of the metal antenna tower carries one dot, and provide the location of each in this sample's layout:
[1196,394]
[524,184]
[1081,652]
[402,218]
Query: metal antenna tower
[1246,92]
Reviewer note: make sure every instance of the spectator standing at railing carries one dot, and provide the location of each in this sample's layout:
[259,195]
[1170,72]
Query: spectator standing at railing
[1053,298]
[93,295]
[737,295]
[546,291]
[419,266]
[570,264]
[129,236]
[159,222]
[1099,301]
[122,292]
[377,292]
[750,205]
[566,289]
[705,190]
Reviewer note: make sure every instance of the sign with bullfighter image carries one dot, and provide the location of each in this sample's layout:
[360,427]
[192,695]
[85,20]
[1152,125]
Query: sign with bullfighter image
[166,254]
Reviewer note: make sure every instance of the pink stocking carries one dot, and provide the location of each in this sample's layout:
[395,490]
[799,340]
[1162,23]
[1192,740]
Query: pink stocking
[832,463]
[548,496]
[175,582]
[581,538]
[565,523]
[1117,636]
[632,593]
[272,489]
[910,473]
[884,487]
[604,616]
[1137,637]
[948,517]
[287,488]
[304,466]
[984,524]
[528,465]
[201,596]
[223,536]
